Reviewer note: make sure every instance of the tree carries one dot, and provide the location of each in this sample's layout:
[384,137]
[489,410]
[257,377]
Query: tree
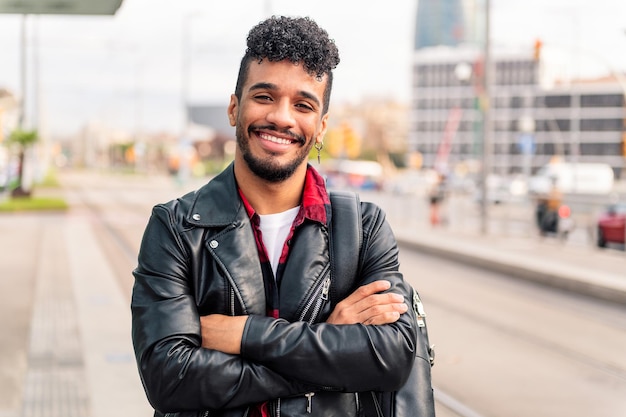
[22,139]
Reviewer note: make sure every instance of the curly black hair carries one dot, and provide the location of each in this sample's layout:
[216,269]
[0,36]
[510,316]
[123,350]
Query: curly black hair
[297,39]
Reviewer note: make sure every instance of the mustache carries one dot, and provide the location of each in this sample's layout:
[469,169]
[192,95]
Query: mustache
[299,138]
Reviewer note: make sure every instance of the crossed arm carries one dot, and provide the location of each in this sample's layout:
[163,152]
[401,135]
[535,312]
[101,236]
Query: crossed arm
[178,375]
[366,305]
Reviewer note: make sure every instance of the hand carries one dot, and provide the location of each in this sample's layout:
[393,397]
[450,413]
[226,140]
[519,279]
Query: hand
[223,333]
[366,305]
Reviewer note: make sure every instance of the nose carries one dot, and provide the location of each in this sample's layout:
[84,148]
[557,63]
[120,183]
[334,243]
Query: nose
[281,114]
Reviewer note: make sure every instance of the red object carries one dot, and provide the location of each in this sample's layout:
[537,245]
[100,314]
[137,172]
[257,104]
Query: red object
[611,225]
[537,49]
[443,151]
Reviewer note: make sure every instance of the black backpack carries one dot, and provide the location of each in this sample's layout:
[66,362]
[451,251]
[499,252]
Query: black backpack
[415,398]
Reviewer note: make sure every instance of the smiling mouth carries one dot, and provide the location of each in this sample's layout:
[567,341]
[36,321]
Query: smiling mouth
[285,138]
[274,139]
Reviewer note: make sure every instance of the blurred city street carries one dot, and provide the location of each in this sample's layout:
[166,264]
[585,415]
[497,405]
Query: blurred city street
[469,122]
[67,281]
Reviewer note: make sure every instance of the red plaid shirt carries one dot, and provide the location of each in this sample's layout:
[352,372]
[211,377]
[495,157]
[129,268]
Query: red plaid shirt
[312,207]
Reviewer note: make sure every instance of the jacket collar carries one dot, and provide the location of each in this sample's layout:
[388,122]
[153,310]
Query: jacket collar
[218,204]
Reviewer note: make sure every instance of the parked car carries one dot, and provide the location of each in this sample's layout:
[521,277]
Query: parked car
[611,225]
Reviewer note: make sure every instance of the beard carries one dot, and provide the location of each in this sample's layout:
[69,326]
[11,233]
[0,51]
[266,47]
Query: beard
[267,167]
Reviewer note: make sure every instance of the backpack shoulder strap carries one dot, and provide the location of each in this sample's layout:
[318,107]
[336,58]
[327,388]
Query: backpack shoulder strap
[346,240]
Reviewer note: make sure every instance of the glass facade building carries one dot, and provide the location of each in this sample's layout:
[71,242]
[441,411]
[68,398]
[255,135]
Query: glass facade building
[448,22]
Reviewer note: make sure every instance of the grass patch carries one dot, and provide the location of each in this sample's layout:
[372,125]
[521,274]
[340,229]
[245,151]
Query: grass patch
[33,204]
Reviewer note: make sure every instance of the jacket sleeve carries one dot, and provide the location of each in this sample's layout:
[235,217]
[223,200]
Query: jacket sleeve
[177,373]
[344,357]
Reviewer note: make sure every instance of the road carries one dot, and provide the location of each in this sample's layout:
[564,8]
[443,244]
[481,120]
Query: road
[504,347]
[511,348]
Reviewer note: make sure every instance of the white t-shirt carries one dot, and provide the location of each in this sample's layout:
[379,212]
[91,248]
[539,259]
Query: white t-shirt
[274,229]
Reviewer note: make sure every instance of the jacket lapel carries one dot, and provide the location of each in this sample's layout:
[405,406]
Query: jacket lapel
[217,206]
[235,250]
[305,269]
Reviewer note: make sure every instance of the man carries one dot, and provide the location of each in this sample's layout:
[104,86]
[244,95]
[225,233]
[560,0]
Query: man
[232,314]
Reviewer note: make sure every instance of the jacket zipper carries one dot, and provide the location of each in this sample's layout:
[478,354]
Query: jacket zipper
[318,298]
[316,301]
[418,307]
[278,407]
[232,301]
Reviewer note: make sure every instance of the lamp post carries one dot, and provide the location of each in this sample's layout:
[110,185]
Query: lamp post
[487,76]
[185,68]
[185,140]
[23,70]
[186,63]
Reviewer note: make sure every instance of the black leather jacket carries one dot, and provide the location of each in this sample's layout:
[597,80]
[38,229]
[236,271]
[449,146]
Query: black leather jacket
[198,256]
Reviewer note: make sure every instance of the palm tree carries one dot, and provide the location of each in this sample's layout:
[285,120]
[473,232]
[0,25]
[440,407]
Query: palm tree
[23,139]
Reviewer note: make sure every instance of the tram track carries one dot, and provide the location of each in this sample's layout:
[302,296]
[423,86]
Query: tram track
[474,311]
[119,248]
[562,349]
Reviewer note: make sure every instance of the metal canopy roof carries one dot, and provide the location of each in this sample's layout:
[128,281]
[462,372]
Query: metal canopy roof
[63,7]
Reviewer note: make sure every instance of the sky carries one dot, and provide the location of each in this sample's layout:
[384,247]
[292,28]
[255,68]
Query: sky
[125,71]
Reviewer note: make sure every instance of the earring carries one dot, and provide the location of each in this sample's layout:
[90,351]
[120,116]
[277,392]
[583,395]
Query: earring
[319,146]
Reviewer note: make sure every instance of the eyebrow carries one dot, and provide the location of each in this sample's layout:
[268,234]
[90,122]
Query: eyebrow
[272,86]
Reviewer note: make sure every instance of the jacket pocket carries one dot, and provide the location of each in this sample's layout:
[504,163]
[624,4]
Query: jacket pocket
[185,414]
[235,412]
[320,404]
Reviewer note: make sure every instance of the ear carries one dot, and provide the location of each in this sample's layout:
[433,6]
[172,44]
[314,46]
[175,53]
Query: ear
[323,129]
[233,110]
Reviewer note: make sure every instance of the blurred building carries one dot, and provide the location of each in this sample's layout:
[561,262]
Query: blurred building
[215,117]
[536,115]
[578,121]
[447,22]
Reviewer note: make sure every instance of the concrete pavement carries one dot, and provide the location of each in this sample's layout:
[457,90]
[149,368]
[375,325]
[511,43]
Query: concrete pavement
[66,347]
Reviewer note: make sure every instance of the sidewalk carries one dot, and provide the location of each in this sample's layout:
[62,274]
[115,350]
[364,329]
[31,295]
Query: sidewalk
[65,321]
[586,270]
[66,347]
[512,247]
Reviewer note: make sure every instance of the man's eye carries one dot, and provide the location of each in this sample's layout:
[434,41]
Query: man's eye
[304,106]
[263,97]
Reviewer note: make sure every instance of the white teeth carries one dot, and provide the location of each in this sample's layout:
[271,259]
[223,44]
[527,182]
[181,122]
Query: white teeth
[275,139]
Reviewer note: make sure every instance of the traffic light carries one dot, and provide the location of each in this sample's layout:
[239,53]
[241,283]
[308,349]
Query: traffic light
[537,49]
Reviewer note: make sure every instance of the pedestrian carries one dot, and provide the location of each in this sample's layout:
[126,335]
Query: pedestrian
[548,209]
[436,197]
[226,275]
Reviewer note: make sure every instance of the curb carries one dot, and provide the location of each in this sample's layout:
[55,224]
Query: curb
[603,286]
